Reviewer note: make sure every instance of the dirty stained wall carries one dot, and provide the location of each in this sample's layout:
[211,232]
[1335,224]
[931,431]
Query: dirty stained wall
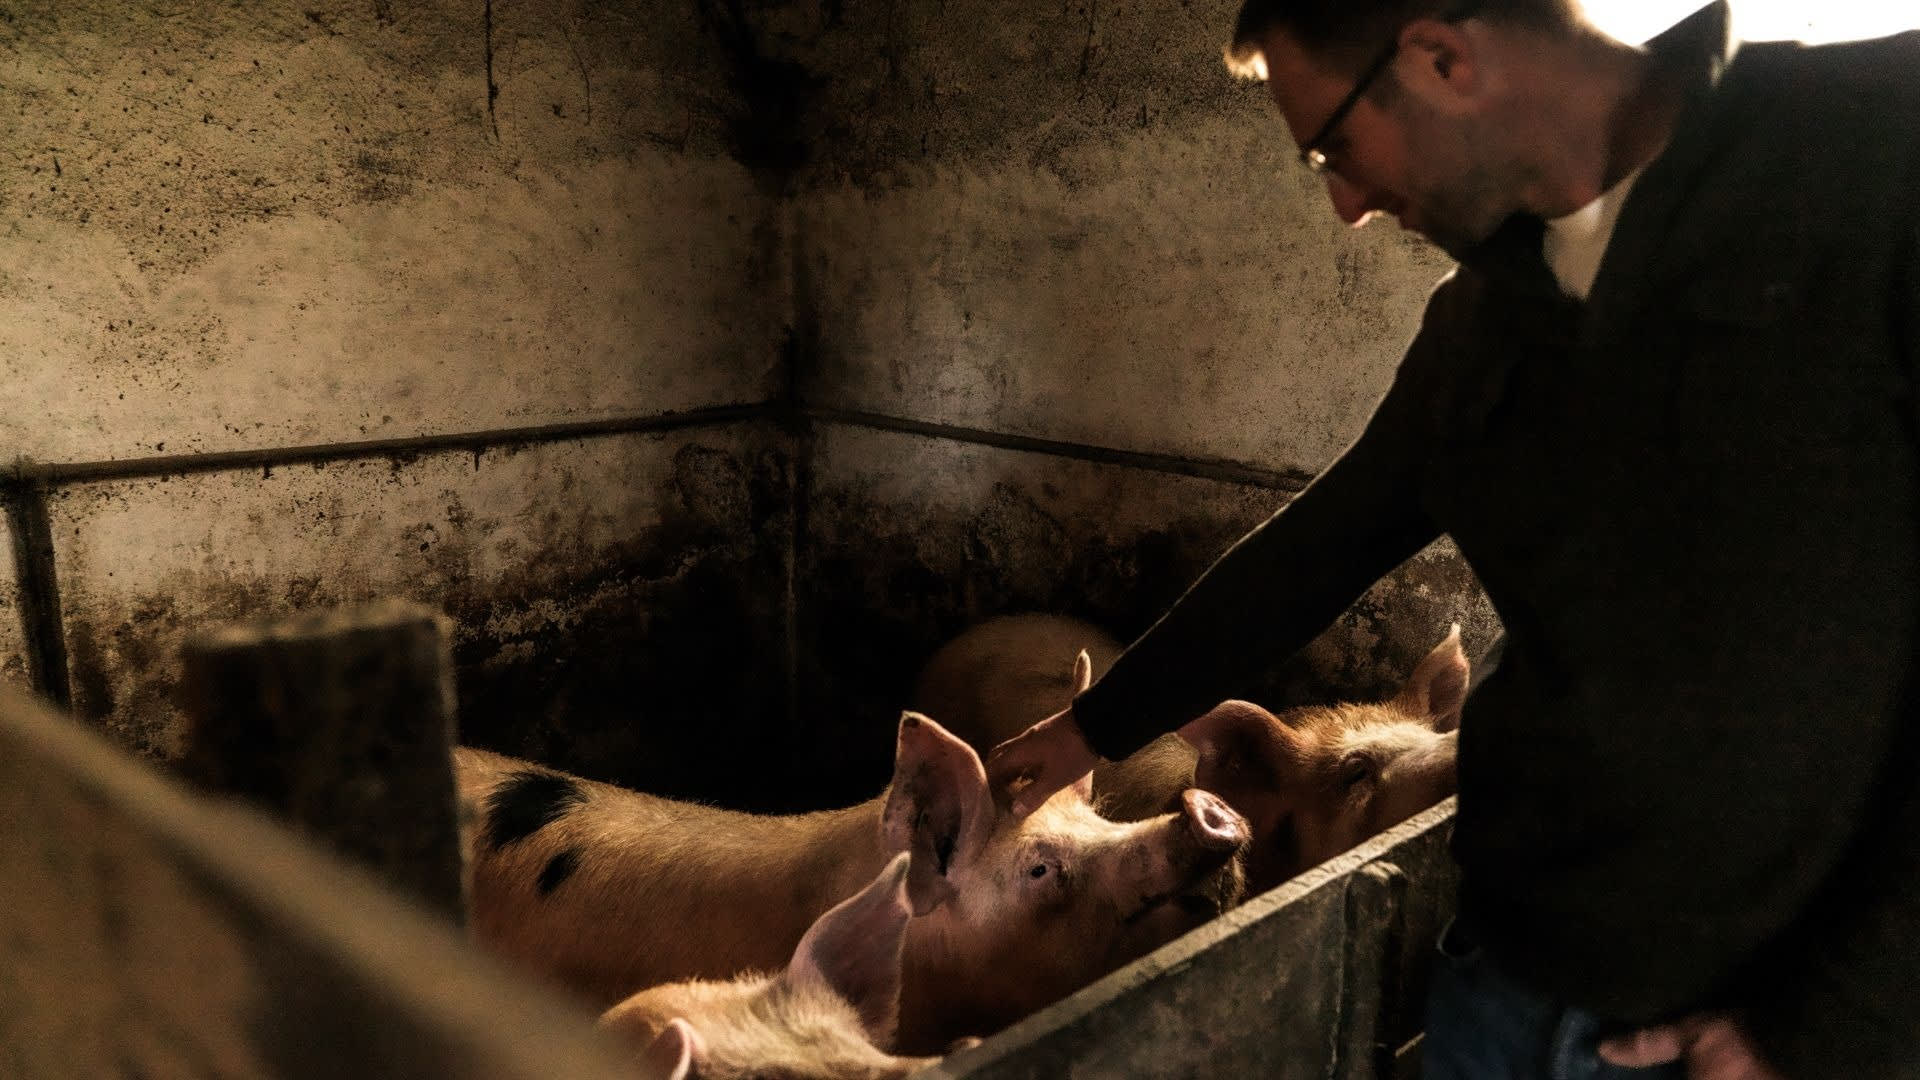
[1069,223]
[13,646]
[312,303]
[241,225]
[1182,275]
[600,625]
[389,263]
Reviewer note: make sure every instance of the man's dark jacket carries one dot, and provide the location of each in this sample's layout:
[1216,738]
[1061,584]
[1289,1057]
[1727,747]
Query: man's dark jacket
[1694,499]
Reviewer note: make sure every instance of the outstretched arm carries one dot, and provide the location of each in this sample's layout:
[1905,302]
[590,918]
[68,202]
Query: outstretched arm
[1285,581]
[1266,597]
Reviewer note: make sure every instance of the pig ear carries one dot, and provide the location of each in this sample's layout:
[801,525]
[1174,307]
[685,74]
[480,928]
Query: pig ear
[1082,678]
[938,808]
[1438,686]
[1235,741]
[854,949]
[672,1053]
[1082,673]
[1083,787]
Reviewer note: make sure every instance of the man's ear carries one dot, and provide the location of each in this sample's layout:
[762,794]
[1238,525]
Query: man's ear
[1441,62]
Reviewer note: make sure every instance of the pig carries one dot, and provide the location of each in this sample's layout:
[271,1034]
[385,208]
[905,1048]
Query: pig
[607,891]
[1007,673]
[826,1015]
[1312,782]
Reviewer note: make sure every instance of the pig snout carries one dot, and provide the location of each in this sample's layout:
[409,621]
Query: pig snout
[1196,870]
[1211,823]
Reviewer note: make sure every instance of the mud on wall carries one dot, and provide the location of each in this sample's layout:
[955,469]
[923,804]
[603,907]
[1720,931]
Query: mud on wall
[619,629]
[13,645]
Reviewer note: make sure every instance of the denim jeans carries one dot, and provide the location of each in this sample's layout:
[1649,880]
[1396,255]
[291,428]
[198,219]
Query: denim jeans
[1482,1025]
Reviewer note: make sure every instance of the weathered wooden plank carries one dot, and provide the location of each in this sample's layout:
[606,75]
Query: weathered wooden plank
[149,932]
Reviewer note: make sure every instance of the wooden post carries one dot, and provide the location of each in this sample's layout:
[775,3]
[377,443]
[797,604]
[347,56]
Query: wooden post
[342,723]
[150,932]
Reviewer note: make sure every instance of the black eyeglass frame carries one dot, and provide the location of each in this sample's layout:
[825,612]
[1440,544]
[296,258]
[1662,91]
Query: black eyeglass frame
[1311,153]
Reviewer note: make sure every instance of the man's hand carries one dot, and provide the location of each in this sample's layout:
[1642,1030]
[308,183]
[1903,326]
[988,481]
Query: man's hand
[1047,757]
[1712,1045]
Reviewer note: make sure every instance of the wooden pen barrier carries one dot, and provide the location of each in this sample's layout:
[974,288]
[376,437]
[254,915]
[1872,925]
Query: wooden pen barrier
[152,932]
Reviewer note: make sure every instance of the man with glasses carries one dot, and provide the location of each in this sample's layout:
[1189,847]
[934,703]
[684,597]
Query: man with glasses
[1665,408]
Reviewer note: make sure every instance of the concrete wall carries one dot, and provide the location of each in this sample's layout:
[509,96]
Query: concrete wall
[13,646]
[435,231]
[608,592]
[1179,272]
[311,303]
[1068,223]
[240,225]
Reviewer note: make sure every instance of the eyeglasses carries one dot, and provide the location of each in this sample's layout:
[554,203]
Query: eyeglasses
[1312,152]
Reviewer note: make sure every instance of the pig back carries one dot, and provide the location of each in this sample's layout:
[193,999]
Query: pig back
[1006,674]
[604,891]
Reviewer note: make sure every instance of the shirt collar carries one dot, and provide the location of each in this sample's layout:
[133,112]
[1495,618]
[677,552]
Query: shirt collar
[1705,41]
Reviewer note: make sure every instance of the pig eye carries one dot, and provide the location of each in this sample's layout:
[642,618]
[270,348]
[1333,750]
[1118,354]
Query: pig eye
[1355,771]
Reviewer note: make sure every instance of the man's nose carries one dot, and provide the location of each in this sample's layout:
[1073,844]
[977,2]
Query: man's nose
[1353,202]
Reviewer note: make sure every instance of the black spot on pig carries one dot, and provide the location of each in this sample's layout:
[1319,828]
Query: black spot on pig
[558,869]
[526,803]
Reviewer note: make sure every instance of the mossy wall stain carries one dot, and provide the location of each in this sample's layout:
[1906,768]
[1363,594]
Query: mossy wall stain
[631,636]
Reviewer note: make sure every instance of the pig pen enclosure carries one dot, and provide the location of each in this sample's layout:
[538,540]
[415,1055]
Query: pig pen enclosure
[708,364]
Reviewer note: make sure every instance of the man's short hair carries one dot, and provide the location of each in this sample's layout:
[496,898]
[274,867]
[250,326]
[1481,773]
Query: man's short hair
[1346,32]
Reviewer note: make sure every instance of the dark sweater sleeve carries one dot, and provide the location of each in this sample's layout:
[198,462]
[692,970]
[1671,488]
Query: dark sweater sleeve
[1840,999]
[1286,580]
